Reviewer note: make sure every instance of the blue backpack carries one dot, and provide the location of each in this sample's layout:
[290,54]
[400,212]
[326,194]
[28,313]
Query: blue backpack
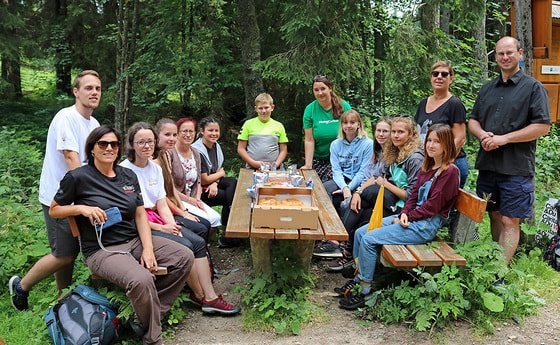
[82,317]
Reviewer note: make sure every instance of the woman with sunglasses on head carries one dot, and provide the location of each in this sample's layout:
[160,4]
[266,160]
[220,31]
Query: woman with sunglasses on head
[181,171]
[430,201]
[125,254]
[321,120]
[443,107]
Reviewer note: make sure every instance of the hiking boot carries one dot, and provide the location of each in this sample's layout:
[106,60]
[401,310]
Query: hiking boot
[353,301]
[342,291]
[195,300]
[18,298]
[327,249]
[340,263]
[219,306]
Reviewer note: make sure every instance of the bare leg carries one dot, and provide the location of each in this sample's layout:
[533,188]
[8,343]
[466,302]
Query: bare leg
[193,281]
[46,266]
[204,278]
[505,231]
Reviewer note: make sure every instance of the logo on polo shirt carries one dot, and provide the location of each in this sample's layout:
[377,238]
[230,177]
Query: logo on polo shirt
[128,189]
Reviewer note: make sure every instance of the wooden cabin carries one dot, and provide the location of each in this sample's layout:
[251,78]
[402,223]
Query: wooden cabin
[546,50]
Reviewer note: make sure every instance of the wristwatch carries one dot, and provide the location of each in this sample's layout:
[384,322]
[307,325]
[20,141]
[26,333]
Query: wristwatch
[358,190]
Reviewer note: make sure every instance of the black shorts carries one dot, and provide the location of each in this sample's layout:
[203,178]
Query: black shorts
[512,195]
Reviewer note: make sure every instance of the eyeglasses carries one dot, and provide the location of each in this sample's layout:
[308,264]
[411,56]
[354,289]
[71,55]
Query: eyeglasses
[318,76]
[143,143]
[103,144]
[435,74]
[508,54]
[185,131]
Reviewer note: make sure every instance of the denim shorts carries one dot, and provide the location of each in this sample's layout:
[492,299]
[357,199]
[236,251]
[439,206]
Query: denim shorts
[512,195]
[61,240]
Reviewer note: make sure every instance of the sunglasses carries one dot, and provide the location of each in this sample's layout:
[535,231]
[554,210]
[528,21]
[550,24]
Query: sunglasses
[435,74]
[103,144]
[318,76]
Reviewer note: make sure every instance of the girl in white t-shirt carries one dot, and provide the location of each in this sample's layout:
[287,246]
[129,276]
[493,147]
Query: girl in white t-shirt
[142,146]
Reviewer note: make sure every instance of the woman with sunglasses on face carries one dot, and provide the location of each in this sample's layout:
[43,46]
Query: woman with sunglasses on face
[126,254]
[181,171]
[321,120]
[430,201]
[443,107]
[142,147]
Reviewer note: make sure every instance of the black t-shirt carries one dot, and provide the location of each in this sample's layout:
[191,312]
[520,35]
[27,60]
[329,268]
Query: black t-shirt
[213,156]
[503,108]
[451,112]
[87,186]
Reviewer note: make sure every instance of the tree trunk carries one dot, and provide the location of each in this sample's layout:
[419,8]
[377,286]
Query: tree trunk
[524,32]
[430,16]
[126,45]
[249,41]
[479,44]
[445,13]
[11,73]
[63,52]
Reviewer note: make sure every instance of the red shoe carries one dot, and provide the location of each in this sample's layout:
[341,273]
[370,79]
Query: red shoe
[196,301]
[219,306]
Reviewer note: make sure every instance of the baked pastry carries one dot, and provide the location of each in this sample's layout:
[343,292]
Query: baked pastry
[292,202]
[268,201]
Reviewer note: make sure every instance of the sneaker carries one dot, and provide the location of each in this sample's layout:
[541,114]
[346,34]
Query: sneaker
[219,306]
[225,242]
[327,249]
[353,301]
[19,300]
[342,291]
[195,300]
[340,263]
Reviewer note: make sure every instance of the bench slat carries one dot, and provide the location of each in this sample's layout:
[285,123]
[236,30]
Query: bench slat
[471,205]
[262,233]
[398,255]
[286,234]
[448,255]
[315,234]
[424,256]
[328,217]
[240,215]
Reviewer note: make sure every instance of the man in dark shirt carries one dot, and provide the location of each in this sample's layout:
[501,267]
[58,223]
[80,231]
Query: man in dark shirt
[510,113]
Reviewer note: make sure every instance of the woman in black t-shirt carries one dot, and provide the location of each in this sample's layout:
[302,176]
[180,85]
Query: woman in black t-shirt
[443,107]
[124,253]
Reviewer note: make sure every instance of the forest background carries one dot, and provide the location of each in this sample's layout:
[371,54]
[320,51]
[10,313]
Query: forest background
[178,58]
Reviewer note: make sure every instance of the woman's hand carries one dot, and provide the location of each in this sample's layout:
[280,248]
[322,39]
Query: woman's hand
[148,260]
[94,213]
[191,217]
[172,228]
[212,190]
[356,203]
[403,219]
[221,172]
[198,203]
[380,180]
[346,193]
[306,167]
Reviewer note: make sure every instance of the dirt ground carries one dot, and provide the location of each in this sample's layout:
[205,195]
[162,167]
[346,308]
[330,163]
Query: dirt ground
[339,326]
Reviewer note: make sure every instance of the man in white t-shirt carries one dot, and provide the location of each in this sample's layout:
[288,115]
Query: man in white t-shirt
[66,140]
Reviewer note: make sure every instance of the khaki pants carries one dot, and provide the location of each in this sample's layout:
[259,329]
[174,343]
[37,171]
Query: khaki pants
[151,296]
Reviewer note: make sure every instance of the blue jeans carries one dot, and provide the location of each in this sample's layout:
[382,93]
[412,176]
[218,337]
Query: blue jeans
[463,166]
[368,244]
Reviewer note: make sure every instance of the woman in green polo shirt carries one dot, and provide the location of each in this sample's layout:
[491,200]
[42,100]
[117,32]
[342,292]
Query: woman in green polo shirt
[321,120]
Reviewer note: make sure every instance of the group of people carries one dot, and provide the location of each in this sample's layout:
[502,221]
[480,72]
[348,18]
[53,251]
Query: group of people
[166,187]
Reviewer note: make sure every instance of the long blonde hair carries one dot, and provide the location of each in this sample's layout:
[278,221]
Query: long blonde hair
[391,153]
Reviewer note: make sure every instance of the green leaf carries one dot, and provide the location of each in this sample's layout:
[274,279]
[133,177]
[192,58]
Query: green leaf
[493,302]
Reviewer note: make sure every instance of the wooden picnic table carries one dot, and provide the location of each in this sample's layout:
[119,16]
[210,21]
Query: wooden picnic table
[240,223]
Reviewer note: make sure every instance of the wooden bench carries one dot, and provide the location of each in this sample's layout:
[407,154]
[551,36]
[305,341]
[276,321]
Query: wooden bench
[470,208]
[240,223]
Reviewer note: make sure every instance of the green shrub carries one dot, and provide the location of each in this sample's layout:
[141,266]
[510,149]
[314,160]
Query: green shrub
[20,165]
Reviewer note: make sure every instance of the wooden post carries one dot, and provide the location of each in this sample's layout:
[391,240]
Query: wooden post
[260,250]
[524,32]
[304,248]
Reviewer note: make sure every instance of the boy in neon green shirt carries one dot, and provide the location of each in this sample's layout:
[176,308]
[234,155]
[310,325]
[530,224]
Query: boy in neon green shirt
[262,139]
